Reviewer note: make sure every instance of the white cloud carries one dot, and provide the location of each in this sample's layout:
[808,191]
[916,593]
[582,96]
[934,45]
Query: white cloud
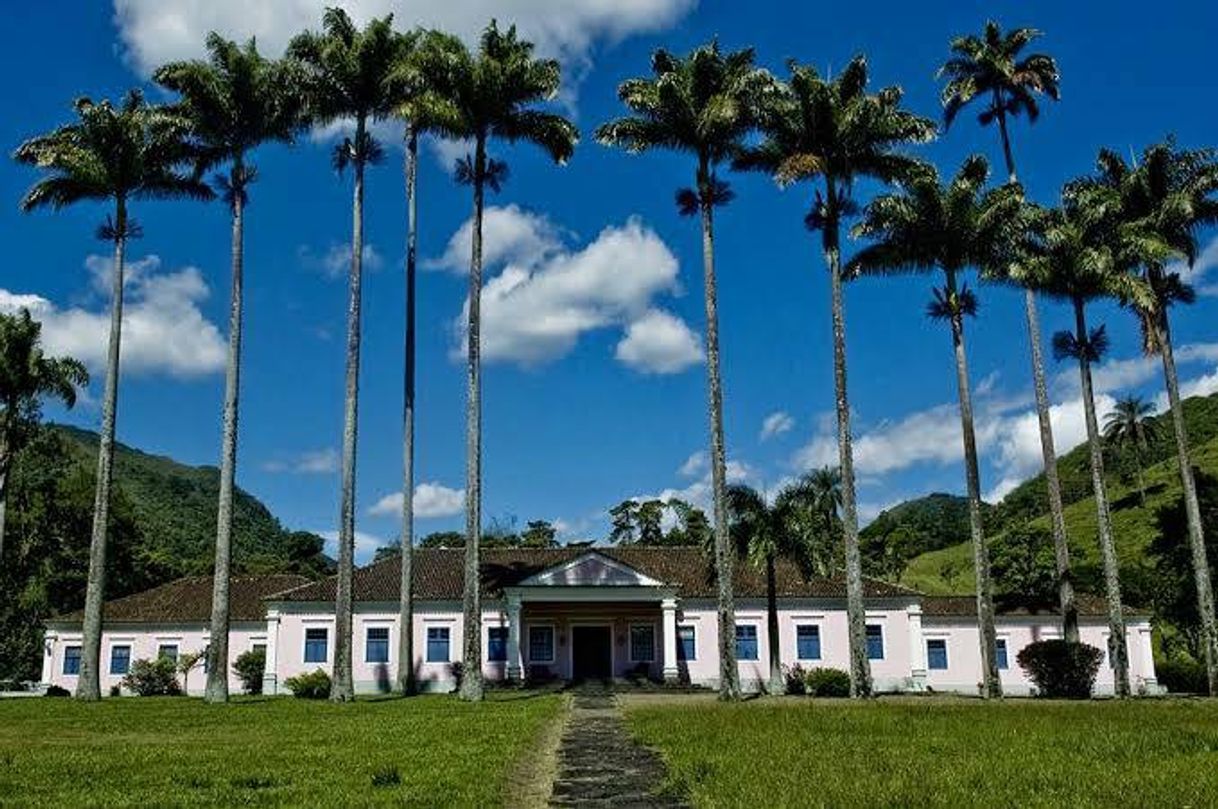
[1207,260]
[312,462]
[659,343]
[430,500]
[365,544]
[776,424]
[695,464]
[548,295]
[700,493]
[335,261]
[164,330]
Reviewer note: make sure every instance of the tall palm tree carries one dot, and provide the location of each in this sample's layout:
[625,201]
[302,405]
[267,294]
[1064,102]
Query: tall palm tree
[119,154]
[929,227]
[833,132]
[703,104]
[1174,193]
[493,93]
[27,376]
[345,75]
[991,69]
[1079,257]
[420,56]
[1129,426]
[234,101]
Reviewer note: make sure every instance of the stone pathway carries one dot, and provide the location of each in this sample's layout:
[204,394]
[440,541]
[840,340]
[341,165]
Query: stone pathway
[600,765]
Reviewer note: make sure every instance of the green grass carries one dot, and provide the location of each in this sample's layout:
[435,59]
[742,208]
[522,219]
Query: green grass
[935,752]
[427,751]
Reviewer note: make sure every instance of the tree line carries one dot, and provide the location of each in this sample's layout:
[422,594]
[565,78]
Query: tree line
[1113,234]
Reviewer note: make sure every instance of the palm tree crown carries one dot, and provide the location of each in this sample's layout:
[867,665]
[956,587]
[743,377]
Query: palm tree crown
[27,374]
[991,65]
[1128,424]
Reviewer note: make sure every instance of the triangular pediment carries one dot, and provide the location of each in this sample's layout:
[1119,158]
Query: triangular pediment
[591,569]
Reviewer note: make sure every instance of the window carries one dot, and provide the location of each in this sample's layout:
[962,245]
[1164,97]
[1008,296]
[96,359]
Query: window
[376,645]
[496,644]
[258,647]
[746,642]
[936,654]
[875,642]
[71,660]
[687,643]
[437,644]
[541,644]
[316,641]
[120,659]
[168,651]
[1002,654]
[807,642]
[643,643]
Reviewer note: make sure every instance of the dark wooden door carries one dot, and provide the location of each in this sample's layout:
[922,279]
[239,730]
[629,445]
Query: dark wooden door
[591,653]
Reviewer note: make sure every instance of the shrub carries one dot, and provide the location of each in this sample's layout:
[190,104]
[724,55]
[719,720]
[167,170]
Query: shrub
[1060,669]
[153,678]
[314,685]
[57,691]
[1182,676]
[795,679]
[825,682]
[249,668]
[116,691]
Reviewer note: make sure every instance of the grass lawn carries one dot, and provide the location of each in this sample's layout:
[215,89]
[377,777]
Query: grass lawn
[426,751]
[934,752]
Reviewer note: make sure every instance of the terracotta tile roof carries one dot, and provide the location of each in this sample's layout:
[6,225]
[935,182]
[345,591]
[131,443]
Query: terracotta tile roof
[438,574]
[1089,605]
[189,600]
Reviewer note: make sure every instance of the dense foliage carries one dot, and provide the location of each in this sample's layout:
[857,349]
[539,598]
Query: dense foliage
[153,678]
[827,682]
[914,527]
[1060,669]
[249,668]
[312,685]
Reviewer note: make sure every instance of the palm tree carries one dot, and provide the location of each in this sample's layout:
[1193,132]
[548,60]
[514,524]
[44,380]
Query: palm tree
[26,376]
[120,154]
[834,132]
[930,227]
[234,101]
[1079,257]
[493,93]
[345,74]
[1129,426]
[703,104]
[990,69]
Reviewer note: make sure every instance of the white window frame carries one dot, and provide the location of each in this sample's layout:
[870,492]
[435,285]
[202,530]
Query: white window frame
[427,643]
[820,639]
[756,640]
[304,644]
[553,643]
[368,627]
[947,659]
[486,639]
[630,641]
[883,639]
[692,628]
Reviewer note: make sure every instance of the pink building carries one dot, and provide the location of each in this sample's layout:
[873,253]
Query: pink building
[585,613]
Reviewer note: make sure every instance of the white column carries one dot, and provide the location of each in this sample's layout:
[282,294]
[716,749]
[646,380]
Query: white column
[669,607]
[1149,676]
[917,648]
[48,657]
[270,675]
[513,645]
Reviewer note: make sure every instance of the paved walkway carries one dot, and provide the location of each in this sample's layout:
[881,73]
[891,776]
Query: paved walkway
[600,765]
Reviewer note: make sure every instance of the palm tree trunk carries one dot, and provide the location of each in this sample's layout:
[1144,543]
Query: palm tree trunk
[343,689]
[5,461]
[991,686]
[471,665]
[217,650]
[1118,652]
[1057,511]
[88,686]
[860,666]
[406,606]
[729,673]
[1192,508]
[772,640]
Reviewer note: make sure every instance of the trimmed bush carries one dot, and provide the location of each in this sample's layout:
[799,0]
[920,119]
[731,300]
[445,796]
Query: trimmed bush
[1060,669]
[57,691]
[1182,676]
[153,678]
[314,685]
[249,668]
[794,679]
[825,682]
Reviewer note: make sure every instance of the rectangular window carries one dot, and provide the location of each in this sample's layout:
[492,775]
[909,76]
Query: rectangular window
[746,642]
[643,643]
[936,654]
[259,647]
[687,643]
[120,659]
[316,642]
[71,660]
[169,651]
[875,642]
[807,642]
[1002,654]
[376,645]
[541,644]
[496,644]
[437,644]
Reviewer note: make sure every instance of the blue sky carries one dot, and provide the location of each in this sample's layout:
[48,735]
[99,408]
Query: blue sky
[594,388]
